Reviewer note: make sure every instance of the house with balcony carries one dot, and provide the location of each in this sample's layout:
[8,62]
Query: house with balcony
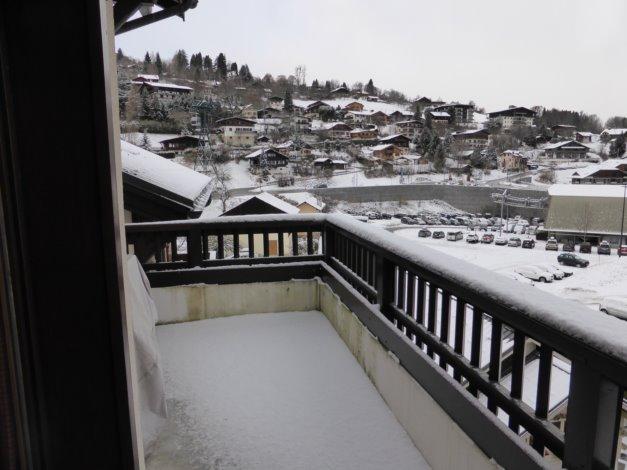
[267,158]
[608,172]
[399,140]
[409,127]
[474,139]
[567,150]
[461,114]
[237,131]
[514,116]
[364,135]
[166,345]
[387,151]
[165,92]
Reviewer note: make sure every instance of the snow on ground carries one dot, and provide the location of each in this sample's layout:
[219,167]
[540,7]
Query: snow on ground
[434,206]
[605,277]
[272,391]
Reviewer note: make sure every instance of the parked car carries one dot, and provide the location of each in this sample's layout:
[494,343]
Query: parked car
[529,243]
[585,247]
[501,241]
[604,248]
[409,220]
[622,250]
[487,238]
[551,245]
[472,238]
[424,233]
[514,241]
[558,273]
[438,234]
[454,236]
[571,259]
[617,307]
[569,247]
[534,273]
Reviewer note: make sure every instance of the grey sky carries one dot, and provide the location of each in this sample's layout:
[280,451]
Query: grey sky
[562,53]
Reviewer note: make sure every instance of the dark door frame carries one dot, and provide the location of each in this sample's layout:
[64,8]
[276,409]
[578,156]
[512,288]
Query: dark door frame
[64,398]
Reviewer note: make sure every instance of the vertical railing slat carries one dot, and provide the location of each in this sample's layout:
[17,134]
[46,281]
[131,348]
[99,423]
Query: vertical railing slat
[444,324]
[518,368]
[220,251]
[460,336]
[543,392]
[475,345]
[494,371]
[309,242]
[251,245]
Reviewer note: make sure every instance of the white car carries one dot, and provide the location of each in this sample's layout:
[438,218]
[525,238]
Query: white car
[534,273]
[558,273]
[617,307]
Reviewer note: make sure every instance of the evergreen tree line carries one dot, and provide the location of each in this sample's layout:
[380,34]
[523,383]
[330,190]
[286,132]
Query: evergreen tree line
[579,119]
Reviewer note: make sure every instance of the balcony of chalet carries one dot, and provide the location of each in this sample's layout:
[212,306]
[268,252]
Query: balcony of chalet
[317,341]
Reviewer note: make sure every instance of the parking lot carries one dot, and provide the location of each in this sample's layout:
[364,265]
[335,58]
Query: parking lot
[606,276]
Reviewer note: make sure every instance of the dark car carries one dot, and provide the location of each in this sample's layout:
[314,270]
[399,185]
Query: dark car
[487,238]
[585,247]
[569,247]
[528,243]
[604,248]
[571,259]
[424,233]
[409,221]
[622,250]
[438,234]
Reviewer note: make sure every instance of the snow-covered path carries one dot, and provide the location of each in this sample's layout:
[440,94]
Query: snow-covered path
[273,391]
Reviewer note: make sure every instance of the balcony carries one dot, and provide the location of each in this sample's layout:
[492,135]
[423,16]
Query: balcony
[474,369]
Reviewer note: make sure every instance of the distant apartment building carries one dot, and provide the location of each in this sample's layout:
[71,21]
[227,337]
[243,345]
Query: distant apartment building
[237,132]
[514,116]
[475,139]
[461,114]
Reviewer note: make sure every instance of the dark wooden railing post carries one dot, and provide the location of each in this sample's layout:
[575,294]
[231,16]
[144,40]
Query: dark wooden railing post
[385,277]
[594,407]
[194,247]
[328,243]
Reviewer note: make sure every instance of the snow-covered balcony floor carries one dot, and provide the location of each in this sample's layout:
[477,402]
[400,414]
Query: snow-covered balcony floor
[272,391]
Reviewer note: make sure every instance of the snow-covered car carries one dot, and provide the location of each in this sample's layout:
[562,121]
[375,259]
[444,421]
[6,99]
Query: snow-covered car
[604,248]
[514,241]
[454,236]
[487,238]
[551,245]
[615,306]
[424,233]
[501,241]
[438,234]
[472,238]
[558,273]
[534,273]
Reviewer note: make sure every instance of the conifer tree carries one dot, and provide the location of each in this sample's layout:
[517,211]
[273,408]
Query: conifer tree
[158,64]
[180,60]
[120,54]
[207,63]
[288,104]
[315,85]
[221,65]
[234,67]
[147,62]
[370,89]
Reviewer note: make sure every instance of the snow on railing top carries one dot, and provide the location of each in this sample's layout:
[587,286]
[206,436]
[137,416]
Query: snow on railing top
[601,332]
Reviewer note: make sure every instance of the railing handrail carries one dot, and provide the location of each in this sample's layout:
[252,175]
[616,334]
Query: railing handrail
[572,328]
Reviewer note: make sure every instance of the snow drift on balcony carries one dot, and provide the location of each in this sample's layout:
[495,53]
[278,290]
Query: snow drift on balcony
[161,172]
[273,391]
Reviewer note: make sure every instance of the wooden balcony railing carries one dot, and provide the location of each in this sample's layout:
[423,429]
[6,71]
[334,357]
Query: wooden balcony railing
[434,313]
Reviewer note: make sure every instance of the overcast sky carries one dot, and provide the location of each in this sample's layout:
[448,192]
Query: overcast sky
[556,53]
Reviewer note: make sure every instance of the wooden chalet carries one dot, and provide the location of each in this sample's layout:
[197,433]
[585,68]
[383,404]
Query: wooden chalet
[609,172]
[565,131]
[409,127]
[353,106]
[569,149]
[364,135]
[235,121]
[387,151]
[399,140]
[182,142]
[267,158]
[583,137]
[341,91]
[329,163]
[472,139]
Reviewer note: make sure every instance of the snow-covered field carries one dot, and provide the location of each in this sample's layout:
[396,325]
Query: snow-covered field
[605,277]
[272,391]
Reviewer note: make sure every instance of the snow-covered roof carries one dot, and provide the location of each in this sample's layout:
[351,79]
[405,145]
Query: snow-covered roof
[588,190]
[567,144]
[591,169]
[585,134]
[143,76]
[304,198]
[439,114]
[381,147]
[170,86]
[392,137]
[258,153]
[276,203]
[615,132]
[164,173]
[359,129]
[382,106]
